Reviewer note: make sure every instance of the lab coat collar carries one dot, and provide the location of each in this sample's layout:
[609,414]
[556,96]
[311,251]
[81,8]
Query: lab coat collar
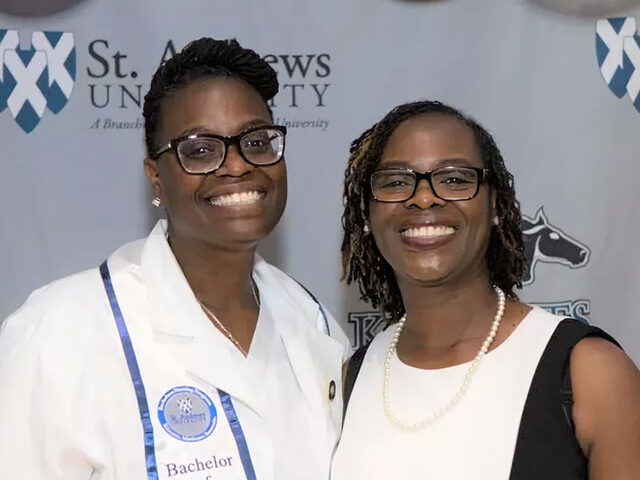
[181,326]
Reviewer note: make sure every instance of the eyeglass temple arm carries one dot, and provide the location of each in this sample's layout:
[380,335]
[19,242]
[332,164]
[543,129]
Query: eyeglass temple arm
[161,151]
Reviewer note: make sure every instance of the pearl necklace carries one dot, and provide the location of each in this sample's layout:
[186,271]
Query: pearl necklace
[420,424]
[225,331]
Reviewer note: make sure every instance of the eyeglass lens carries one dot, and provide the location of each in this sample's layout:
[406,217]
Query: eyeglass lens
[458,183]
[204,154]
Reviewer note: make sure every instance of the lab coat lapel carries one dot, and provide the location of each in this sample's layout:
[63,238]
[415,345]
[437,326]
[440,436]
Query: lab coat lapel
[314,356]
[180,327]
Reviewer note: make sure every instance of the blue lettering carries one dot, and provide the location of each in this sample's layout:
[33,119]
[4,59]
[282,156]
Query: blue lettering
[581,310]
[192,418]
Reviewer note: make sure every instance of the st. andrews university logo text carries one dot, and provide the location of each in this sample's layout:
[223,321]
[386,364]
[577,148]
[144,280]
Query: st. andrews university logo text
[37,78]
[618,52]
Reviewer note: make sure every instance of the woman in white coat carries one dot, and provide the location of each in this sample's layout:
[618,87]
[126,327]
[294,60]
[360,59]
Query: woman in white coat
[185,355]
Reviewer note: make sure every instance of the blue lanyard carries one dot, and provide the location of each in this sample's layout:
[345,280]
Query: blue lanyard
[134,371]
[238,434]
[141,396]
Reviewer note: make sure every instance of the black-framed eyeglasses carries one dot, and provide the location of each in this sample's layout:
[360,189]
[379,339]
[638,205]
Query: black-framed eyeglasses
[447,183]
[202,153]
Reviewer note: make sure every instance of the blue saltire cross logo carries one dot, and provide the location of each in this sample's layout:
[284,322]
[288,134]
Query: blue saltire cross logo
[618,52]
[34,79]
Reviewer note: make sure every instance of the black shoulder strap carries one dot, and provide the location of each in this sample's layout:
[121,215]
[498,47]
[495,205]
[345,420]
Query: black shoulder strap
[546,446]
[353,367]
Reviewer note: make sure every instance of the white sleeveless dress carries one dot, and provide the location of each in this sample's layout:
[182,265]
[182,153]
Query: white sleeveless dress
[474,441]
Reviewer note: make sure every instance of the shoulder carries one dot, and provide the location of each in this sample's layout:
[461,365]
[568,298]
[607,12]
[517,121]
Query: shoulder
[68,315]
[597,362]
[57,303]
[53,335]
[606,392]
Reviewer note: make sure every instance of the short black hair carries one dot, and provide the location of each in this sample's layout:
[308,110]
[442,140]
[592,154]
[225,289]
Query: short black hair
[199,59]
[361,259]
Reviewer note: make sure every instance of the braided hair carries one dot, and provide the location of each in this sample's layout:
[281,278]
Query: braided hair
[361,259]
[205,58]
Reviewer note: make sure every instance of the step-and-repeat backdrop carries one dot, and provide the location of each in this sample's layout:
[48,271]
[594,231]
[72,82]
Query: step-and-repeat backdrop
[557,82]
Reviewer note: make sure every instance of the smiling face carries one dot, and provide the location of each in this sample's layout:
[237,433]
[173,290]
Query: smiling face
[426,239]
[236,205]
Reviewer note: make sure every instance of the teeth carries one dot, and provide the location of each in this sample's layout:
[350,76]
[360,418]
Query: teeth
[428,231]
[242,198]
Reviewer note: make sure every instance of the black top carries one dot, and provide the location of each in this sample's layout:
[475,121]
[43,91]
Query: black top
[546,447]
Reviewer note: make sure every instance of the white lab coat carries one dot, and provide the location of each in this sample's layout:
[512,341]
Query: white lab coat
[68,407]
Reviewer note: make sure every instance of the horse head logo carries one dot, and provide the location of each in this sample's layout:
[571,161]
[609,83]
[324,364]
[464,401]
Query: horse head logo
[546,243]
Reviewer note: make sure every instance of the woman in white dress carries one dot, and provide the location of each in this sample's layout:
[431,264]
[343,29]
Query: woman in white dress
[466,382]
[185,355]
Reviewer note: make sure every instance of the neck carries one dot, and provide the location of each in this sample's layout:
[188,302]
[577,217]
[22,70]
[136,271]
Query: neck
[220,278]
[440,317]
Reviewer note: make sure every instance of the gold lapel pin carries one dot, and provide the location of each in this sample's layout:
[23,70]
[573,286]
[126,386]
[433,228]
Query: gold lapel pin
[332,390]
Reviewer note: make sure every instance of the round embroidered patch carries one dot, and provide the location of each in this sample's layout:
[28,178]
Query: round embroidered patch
[187,414]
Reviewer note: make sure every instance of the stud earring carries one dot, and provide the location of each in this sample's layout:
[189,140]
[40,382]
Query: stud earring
[156,202]
[496,221]
[366,229]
